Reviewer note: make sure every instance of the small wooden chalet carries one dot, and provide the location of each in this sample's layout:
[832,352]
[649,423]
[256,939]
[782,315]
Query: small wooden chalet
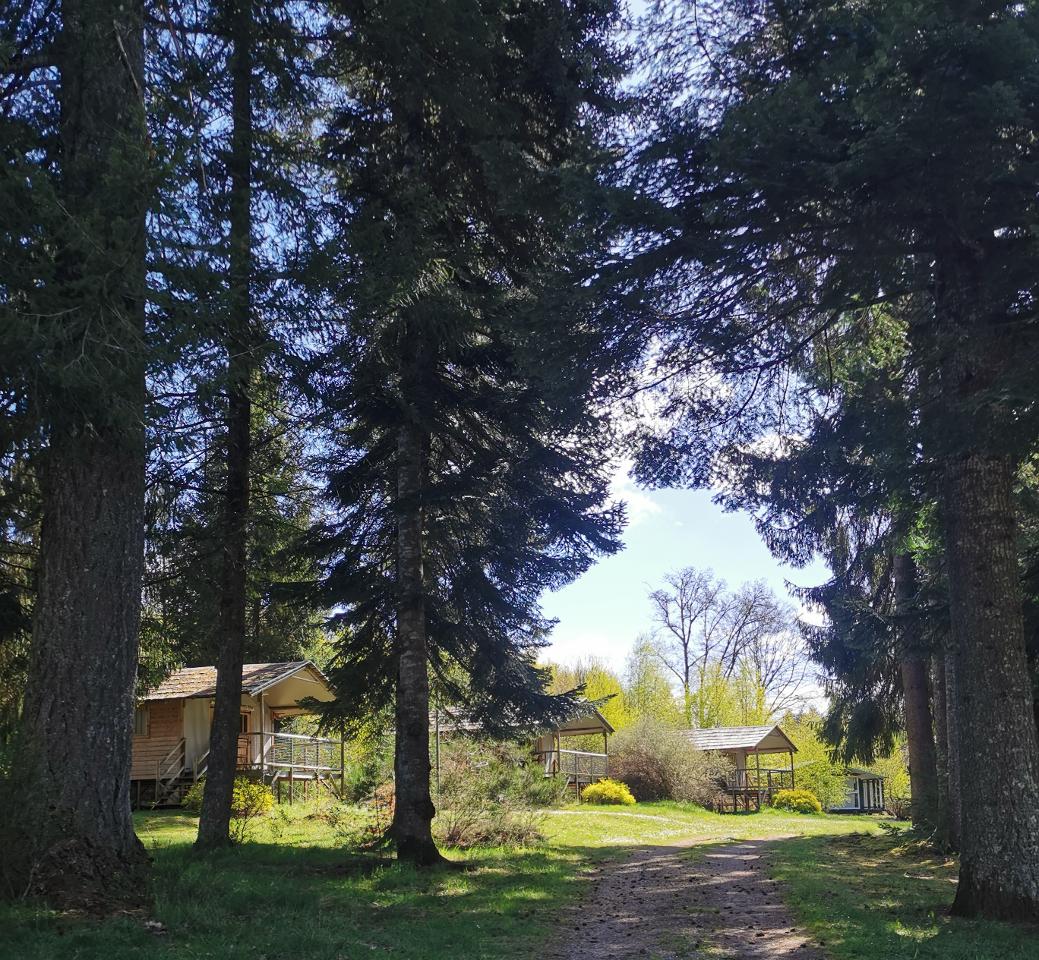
[172,722]
[864,792]
[580,767]
[751,784]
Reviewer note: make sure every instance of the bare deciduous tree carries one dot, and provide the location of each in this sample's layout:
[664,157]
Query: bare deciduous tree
[703,629]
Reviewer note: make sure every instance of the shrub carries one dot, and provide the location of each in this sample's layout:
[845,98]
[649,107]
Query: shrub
[816,770]
[369,765]
[657,761]
[797,801]
[608,791]
[900,807]
[489,795]
[249,799]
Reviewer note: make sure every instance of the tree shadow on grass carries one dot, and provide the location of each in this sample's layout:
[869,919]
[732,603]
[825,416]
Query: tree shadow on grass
[887,896]
[272,900]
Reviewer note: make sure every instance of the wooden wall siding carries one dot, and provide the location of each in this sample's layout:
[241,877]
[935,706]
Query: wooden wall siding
[165,728]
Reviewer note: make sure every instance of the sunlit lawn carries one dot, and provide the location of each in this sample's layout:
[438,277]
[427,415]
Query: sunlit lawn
[872,897]
[294,890]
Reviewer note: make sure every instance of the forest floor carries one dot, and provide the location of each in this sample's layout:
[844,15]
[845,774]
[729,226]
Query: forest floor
[843,888]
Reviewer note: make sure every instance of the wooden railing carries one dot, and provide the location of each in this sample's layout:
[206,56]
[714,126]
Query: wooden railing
[764,780]
[289,751]
[169,769]
[201,766]
[580,765]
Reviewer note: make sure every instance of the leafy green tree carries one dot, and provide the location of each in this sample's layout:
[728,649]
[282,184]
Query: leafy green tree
[647,689]
[814,766]
[598,684]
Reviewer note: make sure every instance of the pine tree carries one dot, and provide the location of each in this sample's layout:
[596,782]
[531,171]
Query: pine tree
[467,481]
[844,156]
[72,343]
[180,609]
[230,295]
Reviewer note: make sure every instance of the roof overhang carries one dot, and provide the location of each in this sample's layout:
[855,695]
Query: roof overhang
[743,740]
[589,722]
[288,682]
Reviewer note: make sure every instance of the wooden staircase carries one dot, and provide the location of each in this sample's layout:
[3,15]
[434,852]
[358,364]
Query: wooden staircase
[172,777]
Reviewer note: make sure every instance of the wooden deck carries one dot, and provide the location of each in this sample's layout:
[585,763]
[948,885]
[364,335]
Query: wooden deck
[580,767]
[286,761]
[750,788]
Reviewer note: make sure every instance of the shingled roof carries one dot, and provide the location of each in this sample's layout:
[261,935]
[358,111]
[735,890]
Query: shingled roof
[753,739]
[201,681]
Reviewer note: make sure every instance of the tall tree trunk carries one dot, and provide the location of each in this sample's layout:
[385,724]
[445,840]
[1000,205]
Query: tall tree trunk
[413,811]
[923,772]
[991,711]
[999,862]
[952,729]
[215,820]
[70,836]
[941,741]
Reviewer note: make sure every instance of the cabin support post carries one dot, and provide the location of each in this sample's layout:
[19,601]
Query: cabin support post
[263,742]
[790,754]
[342,761]
[436,733]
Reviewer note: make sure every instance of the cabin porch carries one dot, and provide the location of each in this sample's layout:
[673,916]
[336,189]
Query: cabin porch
[751,783]
[749,787]
[554,751]
[289,762]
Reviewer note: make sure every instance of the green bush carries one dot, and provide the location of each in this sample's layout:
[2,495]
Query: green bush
[490,794]
[658,762]
[369,765]
[249,799]
[797,801]
[608,791]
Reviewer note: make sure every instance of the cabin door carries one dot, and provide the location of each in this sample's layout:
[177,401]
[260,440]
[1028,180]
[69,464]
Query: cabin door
[244,740]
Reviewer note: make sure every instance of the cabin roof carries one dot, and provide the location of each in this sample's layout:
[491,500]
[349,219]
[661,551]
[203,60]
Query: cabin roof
[864,773]
[590,720]
[752,739]
[201,681]
[586,720]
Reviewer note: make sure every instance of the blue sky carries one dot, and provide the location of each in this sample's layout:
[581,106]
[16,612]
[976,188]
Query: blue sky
[602,613]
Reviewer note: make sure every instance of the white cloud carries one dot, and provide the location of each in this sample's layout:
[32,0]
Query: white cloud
[813,616]
[623,489]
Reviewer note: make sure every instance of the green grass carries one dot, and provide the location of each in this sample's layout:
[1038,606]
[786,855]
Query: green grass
[656,824]
[872,897]
[294,890]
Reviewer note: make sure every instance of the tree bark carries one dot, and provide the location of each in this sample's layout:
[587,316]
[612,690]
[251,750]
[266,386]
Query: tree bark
[999,862]
[215,820]
[413,811]
[941,741]
[916,694]
[69,837]
[952,729]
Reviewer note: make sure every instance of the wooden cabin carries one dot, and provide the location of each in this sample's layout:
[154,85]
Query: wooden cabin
[172,722]
[751,783]
[864,792]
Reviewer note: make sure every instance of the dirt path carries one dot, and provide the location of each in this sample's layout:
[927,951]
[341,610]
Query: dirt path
[679,903]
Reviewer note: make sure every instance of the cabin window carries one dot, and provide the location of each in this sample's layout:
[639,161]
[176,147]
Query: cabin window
[140,721]
[243,723]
